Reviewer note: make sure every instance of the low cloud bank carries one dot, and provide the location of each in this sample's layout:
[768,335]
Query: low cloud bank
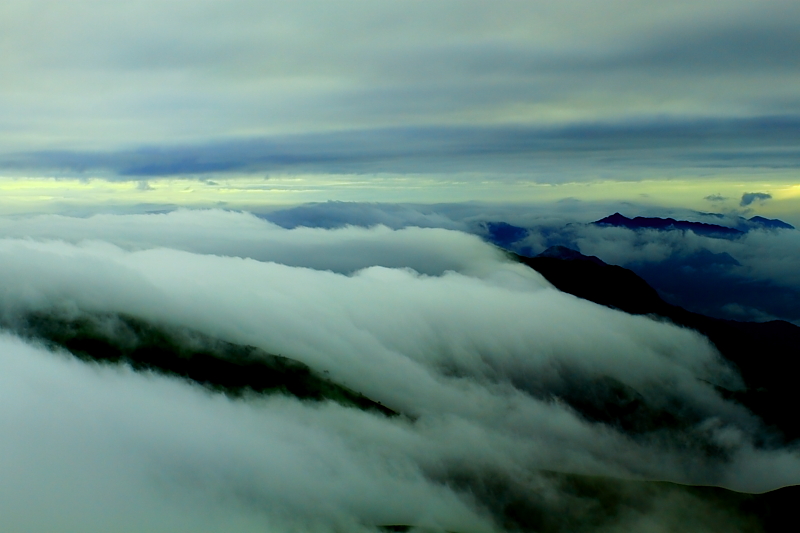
[96,449]
[429,251]
[749,278]
[474,349]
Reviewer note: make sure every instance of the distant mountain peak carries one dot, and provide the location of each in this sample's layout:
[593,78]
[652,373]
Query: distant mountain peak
[617,219]
[743,225]
[772,223]
[667,224]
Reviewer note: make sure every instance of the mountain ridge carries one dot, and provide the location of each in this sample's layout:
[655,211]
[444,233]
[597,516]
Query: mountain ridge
[701,228]
[666,224]
[766,353]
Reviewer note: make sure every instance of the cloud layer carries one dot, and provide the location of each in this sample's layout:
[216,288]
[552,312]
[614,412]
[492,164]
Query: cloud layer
[549,92]
[470,346]
[748,278]
[554,153]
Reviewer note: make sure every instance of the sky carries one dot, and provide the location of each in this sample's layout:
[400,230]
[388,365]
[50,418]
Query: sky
[314,179]
[254,103]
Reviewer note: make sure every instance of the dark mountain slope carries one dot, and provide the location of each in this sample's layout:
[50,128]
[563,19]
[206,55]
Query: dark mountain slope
[221,366]
[769,223]
[767,354]
[590,278]
[588,504]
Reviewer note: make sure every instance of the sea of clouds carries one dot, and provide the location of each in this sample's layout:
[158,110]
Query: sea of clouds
[434,323]
[752,277]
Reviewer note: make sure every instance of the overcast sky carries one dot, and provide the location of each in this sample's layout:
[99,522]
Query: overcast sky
[489,96]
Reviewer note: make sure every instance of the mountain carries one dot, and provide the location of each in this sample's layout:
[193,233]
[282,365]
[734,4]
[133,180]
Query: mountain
[767,354]
[769,223]
[224,367]
[590,278]
[590,504]
[718,285]
[504,234]
[742,224]
[666,224]
[562,252]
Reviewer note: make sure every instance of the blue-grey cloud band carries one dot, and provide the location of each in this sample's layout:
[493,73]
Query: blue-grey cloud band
[770,141]
[122,76]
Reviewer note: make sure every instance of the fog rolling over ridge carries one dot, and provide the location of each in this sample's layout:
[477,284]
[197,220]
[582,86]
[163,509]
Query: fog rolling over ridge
[497,376]
[748,272]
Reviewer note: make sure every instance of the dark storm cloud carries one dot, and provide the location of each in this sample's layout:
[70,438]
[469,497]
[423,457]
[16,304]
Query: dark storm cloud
[750,197]
[757,142]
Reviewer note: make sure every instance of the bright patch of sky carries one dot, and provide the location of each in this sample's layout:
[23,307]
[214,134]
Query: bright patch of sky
[257,193]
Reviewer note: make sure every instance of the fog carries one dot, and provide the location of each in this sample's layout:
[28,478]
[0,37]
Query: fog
[764,255]
[99,449]
[472,349]
[426,250]
[752,277]
[757,279]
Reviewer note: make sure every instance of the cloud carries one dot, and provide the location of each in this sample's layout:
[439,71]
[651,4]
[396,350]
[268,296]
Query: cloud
[750,197]
[431,251]
[715,198]
[573,149]
[707,275]
[472,351]
[170,75]
[88,447]
[332,215]
[711,276]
